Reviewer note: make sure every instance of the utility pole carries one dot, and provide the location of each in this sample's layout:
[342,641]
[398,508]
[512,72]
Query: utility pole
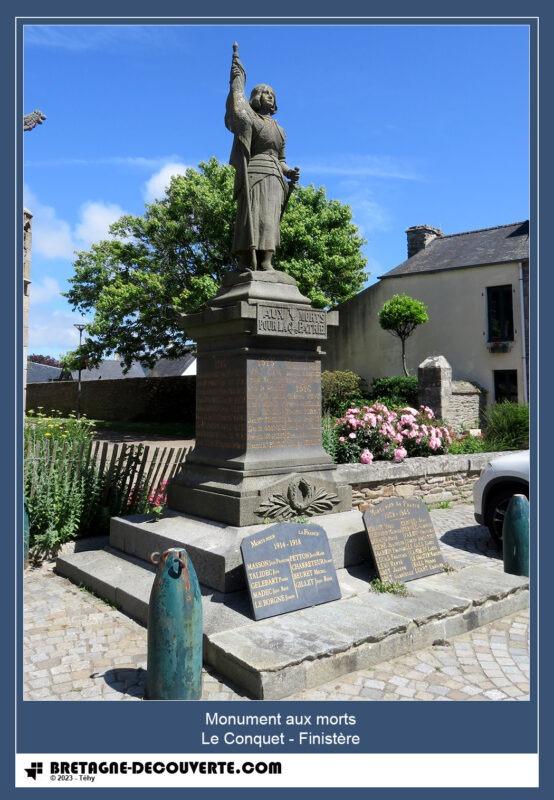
[80,327]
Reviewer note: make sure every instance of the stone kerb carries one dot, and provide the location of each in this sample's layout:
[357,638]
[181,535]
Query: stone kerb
[435,479]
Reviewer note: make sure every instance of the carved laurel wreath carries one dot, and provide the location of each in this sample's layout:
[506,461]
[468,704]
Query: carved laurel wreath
[301,498]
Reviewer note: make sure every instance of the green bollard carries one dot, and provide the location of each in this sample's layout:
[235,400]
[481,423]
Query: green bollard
[515,536]
[174,630]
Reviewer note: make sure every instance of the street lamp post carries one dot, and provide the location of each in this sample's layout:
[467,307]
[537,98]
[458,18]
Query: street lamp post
[80,327]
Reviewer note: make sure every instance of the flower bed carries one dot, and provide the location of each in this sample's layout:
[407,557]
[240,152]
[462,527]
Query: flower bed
[376,433]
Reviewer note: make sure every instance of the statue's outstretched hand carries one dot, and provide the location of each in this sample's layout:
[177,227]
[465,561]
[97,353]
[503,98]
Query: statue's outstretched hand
[293,174]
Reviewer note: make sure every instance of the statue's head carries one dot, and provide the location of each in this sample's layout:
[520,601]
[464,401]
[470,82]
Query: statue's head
[259,94]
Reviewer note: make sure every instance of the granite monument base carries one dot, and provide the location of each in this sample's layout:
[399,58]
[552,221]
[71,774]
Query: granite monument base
[239,500]
[214,548]
[258,454]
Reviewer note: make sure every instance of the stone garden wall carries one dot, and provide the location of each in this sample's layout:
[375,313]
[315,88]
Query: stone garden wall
[460,404]
[434,479]
[169,399]
[467,405]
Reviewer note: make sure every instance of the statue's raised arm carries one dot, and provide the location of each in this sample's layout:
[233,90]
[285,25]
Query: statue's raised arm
[237,105]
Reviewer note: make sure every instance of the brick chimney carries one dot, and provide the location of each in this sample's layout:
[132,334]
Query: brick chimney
[419,236]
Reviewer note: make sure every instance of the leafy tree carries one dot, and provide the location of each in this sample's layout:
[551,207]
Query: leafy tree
[50,361]
[400,316]
[173,258]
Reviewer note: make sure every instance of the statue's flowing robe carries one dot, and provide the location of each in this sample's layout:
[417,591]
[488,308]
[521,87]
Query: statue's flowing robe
[259,151]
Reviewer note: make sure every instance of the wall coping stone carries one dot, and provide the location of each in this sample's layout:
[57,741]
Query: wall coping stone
[465,387]
[381,471]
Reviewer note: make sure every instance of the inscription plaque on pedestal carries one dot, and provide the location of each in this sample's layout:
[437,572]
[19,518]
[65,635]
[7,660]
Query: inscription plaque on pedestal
[305,323]
[288,567]
[402,539]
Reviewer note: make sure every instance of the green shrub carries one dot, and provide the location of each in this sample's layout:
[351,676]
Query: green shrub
[62,485]
[467,444]
[395,391]
[339,389]
[329,435]
[73,486]
[506,426]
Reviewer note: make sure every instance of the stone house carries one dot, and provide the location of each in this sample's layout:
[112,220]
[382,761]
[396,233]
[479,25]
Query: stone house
[476,288]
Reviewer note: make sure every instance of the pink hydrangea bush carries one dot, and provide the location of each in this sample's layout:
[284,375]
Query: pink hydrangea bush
[372,433]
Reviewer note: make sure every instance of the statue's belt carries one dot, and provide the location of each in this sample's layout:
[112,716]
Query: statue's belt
[260,167]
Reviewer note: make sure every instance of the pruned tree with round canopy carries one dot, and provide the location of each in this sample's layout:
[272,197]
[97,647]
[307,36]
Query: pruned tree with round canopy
[400,316]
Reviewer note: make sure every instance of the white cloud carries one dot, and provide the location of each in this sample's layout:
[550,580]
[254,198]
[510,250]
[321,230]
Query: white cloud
[77,38]
[95,220]
[52,332]
[364,166]
[368,214]
[155,186]
[55,238]
[45,290]
[52,237]
[138,162]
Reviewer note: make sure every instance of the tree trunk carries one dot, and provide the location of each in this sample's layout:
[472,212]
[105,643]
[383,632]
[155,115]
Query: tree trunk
[406,373]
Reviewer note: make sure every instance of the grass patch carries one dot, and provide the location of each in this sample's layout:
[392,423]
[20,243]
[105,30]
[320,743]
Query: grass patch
[388,587]
[86,590]
[441,504]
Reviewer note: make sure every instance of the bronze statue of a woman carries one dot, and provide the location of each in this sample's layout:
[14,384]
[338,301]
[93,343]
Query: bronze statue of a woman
[263,180]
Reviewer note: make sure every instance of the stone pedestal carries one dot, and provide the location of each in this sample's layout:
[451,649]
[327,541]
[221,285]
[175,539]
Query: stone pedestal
[258,452]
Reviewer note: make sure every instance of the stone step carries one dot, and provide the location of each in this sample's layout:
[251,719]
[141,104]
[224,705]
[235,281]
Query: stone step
[214,548]
[283,655]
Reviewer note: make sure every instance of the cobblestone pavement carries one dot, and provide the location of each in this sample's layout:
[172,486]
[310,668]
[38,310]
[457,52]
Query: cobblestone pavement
[77,647]
[462,541]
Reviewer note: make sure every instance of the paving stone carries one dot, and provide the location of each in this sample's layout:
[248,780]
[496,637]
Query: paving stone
[73,628]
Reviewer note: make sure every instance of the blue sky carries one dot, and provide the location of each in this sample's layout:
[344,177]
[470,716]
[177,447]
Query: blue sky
[409,124]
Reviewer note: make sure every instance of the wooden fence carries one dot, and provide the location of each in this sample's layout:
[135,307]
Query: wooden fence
[123,470]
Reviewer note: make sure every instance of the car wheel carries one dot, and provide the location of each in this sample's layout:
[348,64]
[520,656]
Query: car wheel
[497,505]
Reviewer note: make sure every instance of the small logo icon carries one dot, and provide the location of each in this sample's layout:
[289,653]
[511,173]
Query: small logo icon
[34,770]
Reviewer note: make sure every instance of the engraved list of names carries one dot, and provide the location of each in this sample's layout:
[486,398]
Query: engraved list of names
[402,539]
[289,566]
[284,406]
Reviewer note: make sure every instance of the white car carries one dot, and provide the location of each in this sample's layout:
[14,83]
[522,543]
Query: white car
[498,482]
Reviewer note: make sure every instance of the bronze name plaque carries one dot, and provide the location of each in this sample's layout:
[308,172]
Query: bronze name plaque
[289,566]
[302,323]
[402,539]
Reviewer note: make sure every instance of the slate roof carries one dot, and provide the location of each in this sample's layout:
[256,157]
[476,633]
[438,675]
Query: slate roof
[469,249]
[110,370]
[167,367]
[41,373]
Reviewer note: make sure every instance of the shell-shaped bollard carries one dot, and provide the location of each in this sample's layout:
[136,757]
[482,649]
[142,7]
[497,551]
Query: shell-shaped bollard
[174,630]
[515,536]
